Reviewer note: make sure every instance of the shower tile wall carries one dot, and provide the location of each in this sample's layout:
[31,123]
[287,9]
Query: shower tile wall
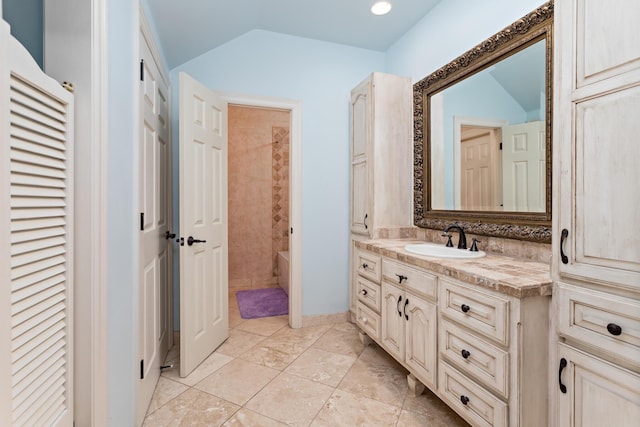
[258,194]
[280,204]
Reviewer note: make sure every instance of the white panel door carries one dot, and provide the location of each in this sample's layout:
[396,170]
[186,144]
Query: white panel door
[36,235]
[204,222]
[360,137]
[523,164]
[153,283]
[480,169]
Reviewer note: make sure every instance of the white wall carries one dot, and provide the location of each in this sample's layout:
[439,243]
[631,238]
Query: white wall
[320,75]
[122,213]
[449,30]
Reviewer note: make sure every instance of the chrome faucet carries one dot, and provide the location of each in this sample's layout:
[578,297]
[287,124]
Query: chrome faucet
[462,240]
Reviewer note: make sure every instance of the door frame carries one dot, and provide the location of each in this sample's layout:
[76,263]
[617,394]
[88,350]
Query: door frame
[65,58]
[295,191]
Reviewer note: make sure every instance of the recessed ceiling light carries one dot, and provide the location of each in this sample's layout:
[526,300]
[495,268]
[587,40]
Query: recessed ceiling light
[381,8]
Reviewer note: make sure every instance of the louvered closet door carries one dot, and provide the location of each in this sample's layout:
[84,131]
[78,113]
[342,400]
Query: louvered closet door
[36,205]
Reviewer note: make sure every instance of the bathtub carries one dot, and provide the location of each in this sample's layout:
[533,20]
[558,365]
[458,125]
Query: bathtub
[283,271]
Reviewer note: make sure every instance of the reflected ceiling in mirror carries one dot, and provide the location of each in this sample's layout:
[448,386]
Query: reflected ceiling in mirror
[482,134]
[487,137]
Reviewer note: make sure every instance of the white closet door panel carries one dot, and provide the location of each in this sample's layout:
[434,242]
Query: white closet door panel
[36,182]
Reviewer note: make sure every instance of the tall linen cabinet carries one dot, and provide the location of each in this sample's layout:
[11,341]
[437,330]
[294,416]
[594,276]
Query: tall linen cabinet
[596,226]
[381,119]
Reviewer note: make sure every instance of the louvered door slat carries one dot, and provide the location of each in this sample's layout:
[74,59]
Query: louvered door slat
[36,235]
[35,170]
[32,246]
[21,134]
[39,374]
[17,214]
[49,410]
[48,385]
[53,324]
[20,294]
[21,99]
[37,149]
[34,159]
[37,224]
[38,276]
[24,191]
[36,114]
[20,124]
[40,297]
[41,97]
[36,181]
[38,343]
[27,258]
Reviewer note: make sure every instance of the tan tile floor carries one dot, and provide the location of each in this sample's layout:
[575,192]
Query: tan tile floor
[267,374]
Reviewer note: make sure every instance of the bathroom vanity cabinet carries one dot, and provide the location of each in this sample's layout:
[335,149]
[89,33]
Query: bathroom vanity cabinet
[381,174]
[596,239]
[475,332]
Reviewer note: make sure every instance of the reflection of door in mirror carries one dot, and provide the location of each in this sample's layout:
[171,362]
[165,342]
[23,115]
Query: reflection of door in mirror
[477,163]
[523,159]
[480,181]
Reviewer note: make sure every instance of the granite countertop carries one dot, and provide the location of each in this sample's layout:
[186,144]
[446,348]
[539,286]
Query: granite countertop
[515,277]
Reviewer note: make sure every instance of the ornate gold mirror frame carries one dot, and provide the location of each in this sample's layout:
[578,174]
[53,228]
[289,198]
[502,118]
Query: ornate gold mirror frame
[535,26]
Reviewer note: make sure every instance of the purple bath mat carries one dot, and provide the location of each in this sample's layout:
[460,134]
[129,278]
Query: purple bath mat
[262,303]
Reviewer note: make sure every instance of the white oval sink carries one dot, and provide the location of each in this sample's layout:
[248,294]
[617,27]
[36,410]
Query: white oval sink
[441,251]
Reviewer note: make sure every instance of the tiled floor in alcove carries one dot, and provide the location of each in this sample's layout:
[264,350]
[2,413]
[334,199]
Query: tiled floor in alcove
[267,374]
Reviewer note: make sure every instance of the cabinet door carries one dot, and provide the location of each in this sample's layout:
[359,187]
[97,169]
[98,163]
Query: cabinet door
[421,338]
[597,393]
[597,99]
[393,328]
[360,116]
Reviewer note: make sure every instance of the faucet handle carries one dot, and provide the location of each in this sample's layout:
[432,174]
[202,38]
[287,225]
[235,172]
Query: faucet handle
[474,246]
[449,242]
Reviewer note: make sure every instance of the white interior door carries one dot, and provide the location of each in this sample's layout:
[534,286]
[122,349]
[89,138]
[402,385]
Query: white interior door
[204,249]
[523,160]
[480,169]
[153,282]
[36,242]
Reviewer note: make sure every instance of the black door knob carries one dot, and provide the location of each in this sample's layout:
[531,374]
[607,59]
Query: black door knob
[191,241]
[169,235]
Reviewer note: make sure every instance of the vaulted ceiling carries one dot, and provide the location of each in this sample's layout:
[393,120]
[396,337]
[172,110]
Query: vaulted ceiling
[189,28]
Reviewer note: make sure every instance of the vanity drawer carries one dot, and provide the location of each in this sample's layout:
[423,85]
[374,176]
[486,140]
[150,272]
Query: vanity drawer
[608,322]
[475,356]
[423,283]
[368,293]
[368,321]
[368,265]
[481,312]
[470,400]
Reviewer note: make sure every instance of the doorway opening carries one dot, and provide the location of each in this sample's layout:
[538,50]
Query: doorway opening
[294,109]
[259,187]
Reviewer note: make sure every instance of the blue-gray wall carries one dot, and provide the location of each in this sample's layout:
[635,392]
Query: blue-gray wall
[320,75]
[25,18]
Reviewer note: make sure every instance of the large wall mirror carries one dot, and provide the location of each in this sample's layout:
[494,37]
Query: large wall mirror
[482,135]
